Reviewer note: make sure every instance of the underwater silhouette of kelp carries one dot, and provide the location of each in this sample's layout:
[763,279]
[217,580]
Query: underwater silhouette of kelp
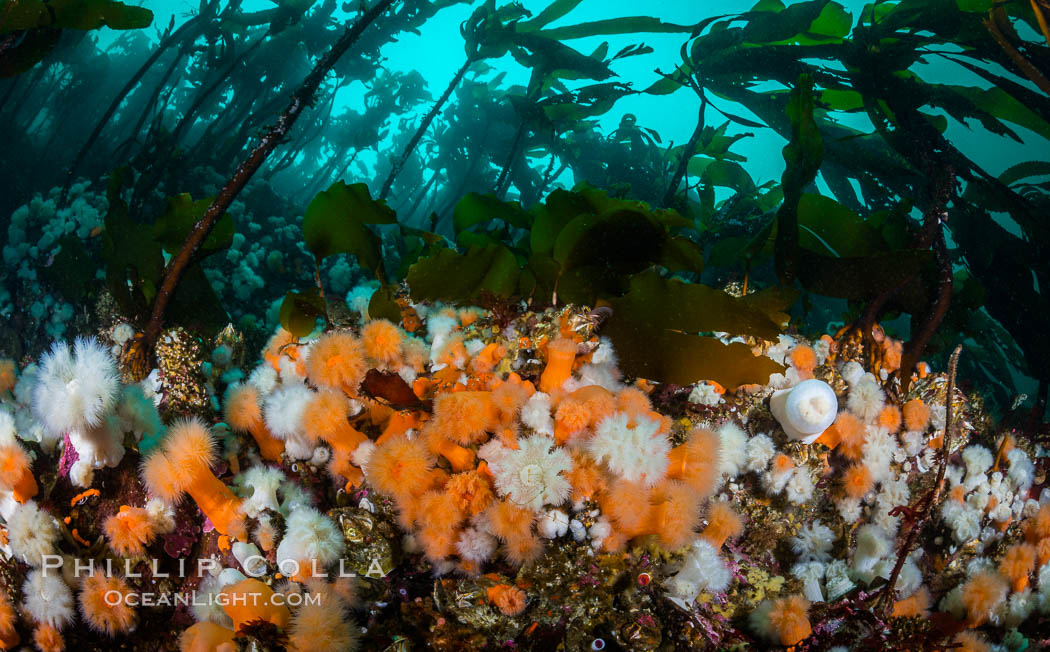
[180,130]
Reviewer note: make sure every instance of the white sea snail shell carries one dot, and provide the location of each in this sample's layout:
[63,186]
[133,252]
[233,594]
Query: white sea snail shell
[806,410]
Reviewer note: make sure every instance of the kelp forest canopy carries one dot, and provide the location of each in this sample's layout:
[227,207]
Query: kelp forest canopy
[883,212]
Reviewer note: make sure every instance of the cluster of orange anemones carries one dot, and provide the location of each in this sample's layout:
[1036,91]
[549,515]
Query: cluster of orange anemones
[888,351]
[1037,533]
[441,486]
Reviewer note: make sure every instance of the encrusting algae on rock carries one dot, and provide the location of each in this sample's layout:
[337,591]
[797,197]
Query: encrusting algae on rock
[459,482]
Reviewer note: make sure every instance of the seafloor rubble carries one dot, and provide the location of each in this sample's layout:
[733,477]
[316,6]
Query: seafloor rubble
[472,478]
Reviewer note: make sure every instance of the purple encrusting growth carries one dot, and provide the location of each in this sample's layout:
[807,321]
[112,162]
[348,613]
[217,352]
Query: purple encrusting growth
[181,541]
[68,459]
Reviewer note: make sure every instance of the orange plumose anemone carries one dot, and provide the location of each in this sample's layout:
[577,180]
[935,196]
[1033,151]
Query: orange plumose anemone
[627,504]
[7,375]
[560,355]
[892,353]
[804,359]
[916,605]
[104,604]
[244,414]
[437,512]
[1040,527]
[48,639]
[849,432]
[438,544]
[16,474]
[857,481]
[437,442]
[971,642]
[129,531]
[382,341]
[633,401]
[586,477]
[189,445]
[325,419]
[521,549]
[789,618]
[8,620]
[470,491]
[400,467]
[464,417]
[510,600]
[675,513]
[184,465]
[570,419]
[250,600]
[508,520]
[508,398]
[781,464]
[916,415]
[598,401]
[337,360]
[723,523]
[323,627]
[1016,564]
[324,414]
[982,594]
[486,360]
[890,418]
[159,480]
[695,462]
[1042,551]
[207,637]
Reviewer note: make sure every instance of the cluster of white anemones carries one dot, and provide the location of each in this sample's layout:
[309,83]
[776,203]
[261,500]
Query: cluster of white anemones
[33,240]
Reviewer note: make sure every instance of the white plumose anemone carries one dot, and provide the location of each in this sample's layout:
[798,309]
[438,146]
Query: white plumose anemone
[531,476]
[75,387]
[806,410]
[310,537]
[48,598]
[476,545]
[264,481]
[636,452]
[702,570]
[32,533]
[75,394]
[283,413]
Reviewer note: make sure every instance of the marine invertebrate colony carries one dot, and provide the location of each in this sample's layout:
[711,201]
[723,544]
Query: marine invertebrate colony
[761,517]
